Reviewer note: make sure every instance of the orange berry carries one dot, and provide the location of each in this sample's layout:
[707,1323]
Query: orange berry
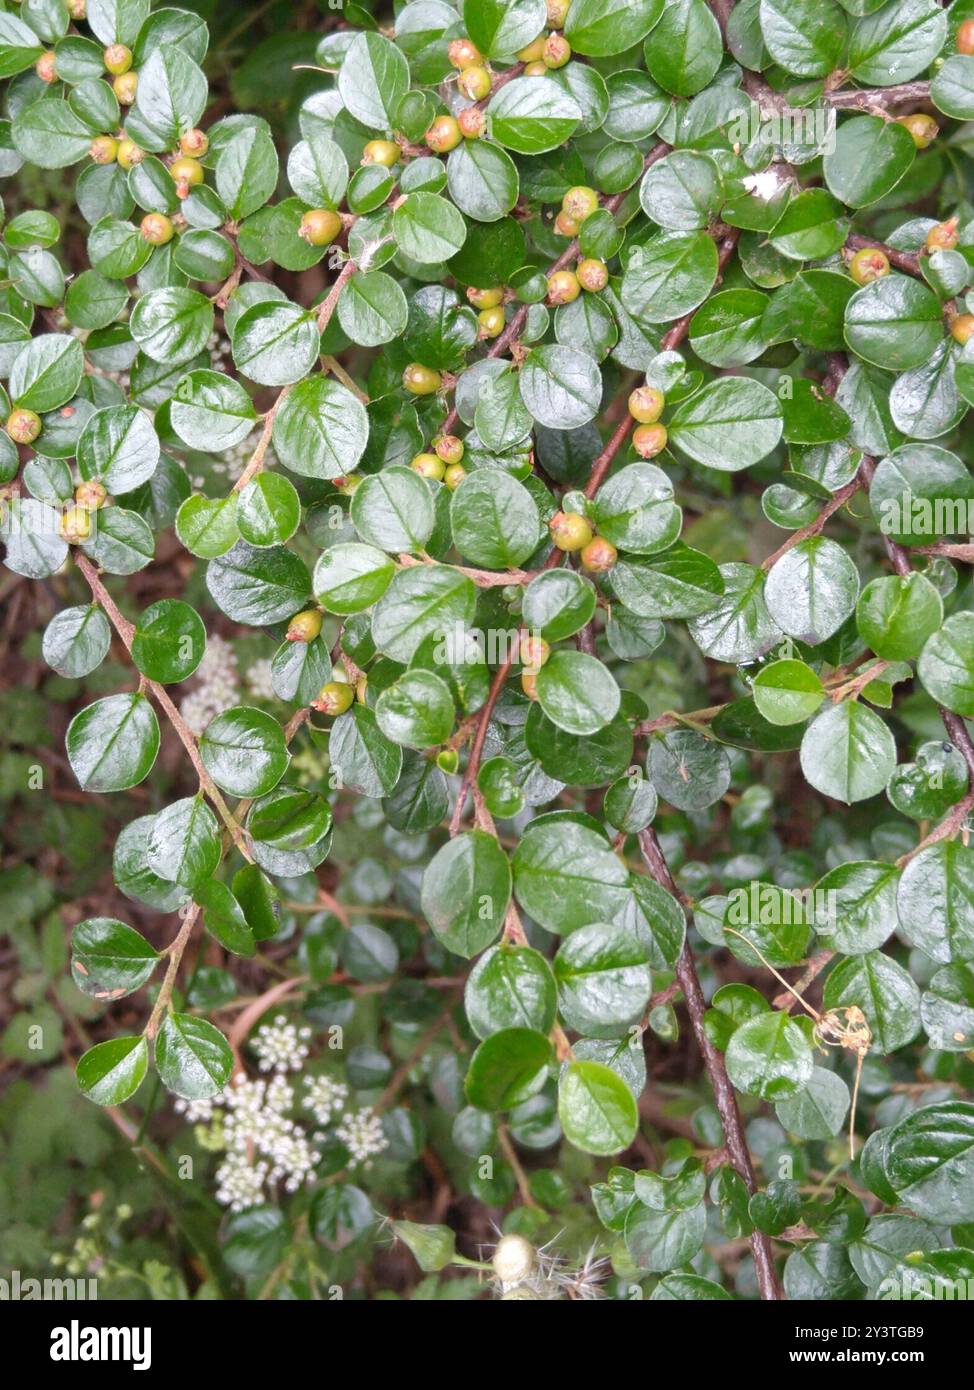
[962,327]
[649,440]
[472,123]
[924,129]
[464,54]
[563,287]
[599,555]
[943,237]
[965,37]
[157,228]
[443,135]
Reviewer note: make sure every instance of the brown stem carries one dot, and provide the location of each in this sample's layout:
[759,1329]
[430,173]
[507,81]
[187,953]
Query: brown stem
[477,747]
[724,1096]
[186,736]
[176,949]
[879,98]
[837,500]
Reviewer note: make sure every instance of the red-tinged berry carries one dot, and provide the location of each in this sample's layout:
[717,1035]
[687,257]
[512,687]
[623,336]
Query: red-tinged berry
[593,275]
[117,58]
[443,135]
[649,440]
[194,143]
[454,476]
[464,54]
[924,129]
[334,698]
[962,327]
[557,51]
[129,154]
[46,67]
[599,555]
[563,287]
[449,448]
[485,299]
[943,237]
[580,202]
[868,264]
[472,123]
[23,426]
[157,228]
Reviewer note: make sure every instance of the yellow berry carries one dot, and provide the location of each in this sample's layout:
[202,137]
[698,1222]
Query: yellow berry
[485,299]
[563,287]
[78,9]
[593,275]
[319,226]
[924,129]
[474,83]
[129,154]
[117,58]
[104,149]
[124,87]
[428,466]
[305,626]
[334,698]
[23,426]
[92,494]
[187,173]
[569,531]
[646,404]
[157,228]
[868,264]
[385,152]
[529,684]
[533,651]
[454,476]
[534,51]
[580,202]
[491,322]
[558,12]
[943,237]
[420,380]
[75,524]
[962,327]
[649,440]
[536,69]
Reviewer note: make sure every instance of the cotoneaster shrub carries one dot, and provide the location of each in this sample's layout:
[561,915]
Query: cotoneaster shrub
[497,507]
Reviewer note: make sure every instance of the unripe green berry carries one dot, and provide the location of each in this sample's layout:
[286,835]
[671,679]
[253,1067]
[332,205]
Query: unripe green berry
[646,404]
[129,154]
[649,440]
[491,322]
[485,299]
[304,626]
[319,226]
[534,51]
[75,525]
[117,58]
[420,380]
[188,173]
[474,83]
[593,275]
[569,531]
[868,264]
[157,228]
[334,698]
[104,149]
[443,135]
[23,426]
[428,466]
[385,152]
[447,760]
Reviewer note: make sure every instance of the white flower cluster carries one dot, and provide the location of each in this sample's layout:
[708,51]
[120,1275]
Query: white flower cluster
[217,688]
[361,1133]
[260,680]
[281,1046]
[219,348]
[325,1097]
[264,1146]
